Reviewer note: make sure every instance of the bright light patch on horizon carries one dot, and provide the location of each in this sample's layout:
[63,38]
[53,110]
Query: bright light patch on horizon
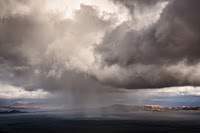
[13,92]
[177,91]
[168,91]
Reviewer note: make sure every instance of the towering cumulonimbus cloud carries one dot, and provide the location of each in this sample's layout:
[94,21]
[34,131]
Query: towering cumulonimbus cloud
[93,50]
[43,48]
[165,53]
[40,48]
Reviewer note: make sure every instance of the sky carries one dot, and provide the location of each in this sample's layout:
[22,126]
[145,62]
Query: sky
[91,53]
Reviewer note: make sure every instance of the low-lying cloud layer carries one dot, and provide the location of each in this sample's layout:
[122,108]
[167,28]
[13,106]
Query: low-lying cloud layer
[11,92]
[93,49]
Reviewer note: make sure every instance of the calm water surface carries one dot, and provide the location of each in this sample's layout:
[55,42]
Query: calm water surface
[151,122]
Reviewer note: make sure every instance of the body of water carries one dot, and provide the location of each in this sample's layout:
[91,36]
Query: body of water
[137,122]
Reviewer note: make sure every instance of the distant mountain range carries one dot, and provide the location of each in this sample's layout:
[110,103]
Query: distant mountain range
[106,109]
[131,108]
[11,112]
[36,105]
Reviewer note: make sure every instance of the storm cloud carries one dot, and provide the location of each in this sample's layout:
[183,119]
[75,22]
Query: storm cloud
[93,51]
[44,49]
[163,54]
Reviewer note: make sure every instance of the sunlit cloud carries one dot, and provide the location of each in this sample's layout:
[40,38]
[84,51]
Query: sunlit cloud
[13,92]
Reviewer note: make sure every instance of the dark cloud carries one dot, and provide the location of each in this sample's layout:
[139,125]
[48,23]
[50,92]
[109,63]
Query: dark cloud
[151,56]
[42,49]
[29,41]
